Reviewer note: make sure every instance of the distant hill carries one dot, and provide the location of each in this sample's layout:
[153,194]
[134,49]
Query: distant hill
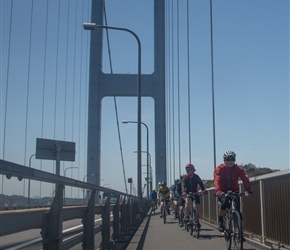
[17,201]
[251,170]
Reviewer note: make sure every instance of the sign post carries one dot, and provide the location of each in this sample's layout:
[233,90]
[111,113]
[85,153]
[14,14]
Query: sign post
[130,180]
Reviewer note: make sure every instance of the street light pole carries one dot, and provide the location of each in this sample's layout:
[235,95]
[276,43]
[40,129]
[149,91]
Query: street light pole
[64,187]
[66,170]
[147,151]
[84,181]
[93,26]
[150,172]
[150,178]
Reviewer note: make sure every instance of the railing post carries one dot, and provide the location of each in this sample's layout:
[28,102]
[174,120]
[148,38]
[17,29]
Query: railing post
[131,210]
[123,217]
[106,223]
[263,218]
[89,223]
[116,220]
[128,219]
[135,211]
[209,208]
[52,225]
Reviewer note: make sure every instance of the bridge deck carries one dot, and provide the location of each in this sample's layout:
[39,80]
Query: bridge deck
[154,234]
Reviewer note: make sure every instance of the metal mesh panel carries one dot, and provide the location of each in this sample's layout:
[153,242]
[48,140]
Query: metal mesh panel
[213,207]
[277,207]
[208,211]
[205,214]
[251,210]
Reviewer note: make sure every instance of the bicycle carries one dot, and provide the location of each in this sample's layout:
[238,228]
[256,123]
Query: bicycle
[176,210]
[153,206]
[165,209]
[233,232]
[193,223]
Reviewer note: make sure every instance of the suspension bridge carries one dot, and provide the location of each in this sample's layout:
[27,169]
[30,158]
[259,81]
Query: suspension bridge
[104,76]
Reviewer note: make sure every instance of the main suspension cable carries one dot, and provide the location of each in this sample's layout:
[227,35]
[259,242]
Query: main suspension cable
[27,91]
[80,99]
[56,70]
[66,71]
[43,85]
[86,96]
[188,72]
[168,118]
[212,80]
[74,81]
[178,90]
[6,94]
[173,92]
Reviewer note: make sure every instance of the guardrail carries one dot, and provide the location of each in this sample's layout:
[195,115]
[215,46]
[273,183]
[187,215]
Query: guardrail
[125,212]
[266,212]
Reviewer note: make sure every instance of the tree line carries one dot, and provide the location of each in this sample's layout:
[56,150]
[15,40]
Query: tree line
[251,170]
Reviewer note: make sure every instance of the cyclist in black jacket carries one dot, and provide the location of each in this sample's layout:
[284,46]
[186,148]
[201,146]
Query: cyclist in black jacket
[175,195]
[189,184]
[181,201]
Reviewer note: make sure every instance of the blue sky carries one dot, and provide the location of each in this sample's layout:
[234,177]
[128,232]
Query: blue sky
[251,80]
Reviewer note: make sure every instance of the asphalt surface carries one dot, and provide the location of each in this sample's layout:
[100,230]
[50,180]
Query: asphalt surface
[170,236]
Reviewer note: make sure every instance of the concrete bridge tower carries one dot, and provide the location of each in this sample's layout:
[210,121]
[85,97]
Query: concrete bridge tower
[102,85]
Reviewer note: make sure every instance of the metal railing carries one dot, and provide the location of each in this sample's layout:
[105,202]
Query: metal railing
[125,212]
[266,213]
[266,217]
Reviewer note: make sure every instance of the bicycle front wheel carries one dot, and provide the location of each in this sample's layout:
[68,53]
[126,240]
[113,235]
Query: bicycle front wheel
[237,233]
[164,213]
[227,232]
[196,222]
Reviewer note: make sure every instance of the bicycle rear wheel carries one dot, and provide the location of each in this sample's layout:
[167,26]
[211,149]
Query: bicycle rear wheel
[179,219]
[185,224]
[191,225]
[237,234]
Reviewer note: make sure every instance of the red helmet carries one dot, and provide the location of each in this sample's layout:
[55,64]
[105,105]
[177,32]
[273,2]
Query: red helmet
[189,165]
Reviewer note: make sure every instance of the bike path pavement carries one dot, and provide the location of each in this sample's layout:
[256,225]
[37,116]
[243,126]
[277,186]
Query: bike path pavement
[154,234]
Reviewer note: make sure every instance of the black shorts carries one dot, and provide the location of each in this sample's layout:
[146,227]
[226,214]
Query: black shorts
[197,200]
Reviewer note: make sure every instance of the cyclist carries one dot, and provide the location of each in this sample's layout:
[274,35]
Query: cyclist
[190,183]
[164,194]
[181,201]
[158,195]
[175,196]
[226,177]
[153,197]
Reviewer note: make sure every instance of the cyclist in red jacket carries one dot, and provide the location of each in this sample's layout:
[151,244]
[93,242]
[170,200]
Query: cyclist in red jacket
[226,177]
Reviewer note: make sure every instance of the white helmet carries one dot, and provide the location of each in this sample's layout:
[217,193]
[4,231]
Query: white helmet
[228,154]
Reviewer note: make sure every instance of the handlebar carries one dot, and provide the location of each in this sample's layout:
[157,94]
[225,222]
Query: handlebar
[192,195]
[231,194]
